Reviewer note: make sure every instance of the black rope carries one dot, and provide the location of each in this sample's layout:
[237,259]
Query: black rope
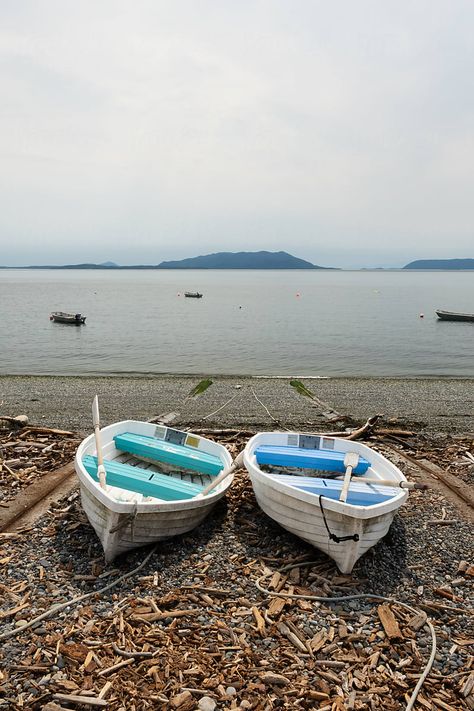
[332,536]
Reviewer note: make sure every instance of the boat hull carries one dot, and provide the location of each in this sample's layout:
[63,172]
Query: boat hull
[122,532]
[453,316]
[74,319]
[300,512]
[123,525]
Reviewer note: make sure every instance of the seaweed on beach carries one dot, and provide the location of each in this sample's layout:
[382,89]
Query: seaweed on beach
[301,389]
[200,388]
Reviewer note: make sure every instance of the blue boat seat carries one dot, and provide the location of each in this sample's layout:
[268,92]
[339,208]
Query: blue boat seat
[359,494]
[141,481]
[161,451]
[322,459]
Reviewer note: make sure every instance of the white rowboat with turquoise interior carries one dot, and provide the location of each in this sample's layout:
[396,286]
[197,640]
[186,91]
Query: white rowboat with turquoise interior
[154,476]
[293,474]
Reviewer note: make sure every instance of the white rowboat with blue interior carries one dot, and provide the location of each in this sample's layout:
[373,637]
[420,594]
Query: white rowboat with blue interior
[293,474]
[154,479]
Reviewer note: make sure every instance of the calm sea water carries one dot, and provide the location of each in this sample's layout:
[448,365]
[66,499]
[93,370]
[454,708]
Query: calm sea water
[248,322]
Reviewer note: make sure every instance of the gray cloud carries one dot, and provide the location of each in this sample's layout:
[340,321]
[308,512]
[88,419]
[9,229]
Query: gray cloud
[341,132]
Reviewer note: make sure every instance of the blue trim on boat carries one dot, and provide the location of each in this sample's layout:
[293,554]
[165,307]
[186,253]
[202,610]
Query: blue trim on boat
[359,494]
[161,451]
[142,481]
[323,459]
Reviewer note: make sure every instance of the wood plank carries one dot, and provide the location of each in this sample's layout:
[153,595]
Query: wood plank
[389,623]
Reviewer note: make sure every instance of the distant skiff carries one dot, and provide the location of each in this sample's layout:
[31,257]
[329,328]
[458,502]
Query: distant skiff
[293,474]
[453,316]
[62,317]
[154,476]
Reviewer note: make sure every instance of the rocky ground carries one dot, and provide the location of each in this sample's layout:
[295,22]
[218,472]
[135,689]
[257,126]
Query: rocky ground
[188,625]
[429,404]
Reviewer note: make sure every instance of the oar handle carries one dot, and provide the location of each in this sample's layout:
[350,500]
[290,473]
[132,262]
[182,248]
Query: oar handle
[395,484]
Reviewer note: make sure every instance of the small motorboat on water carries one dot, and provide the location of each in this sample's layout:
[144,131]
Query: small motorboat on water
[296,480]
[62,317]
[193,295]
[158,482]
[453,316]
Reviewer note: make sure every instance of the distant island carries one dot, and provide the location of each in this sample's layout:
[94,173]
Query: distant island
[220,260]
[255,260]
[450,264]
[242,260]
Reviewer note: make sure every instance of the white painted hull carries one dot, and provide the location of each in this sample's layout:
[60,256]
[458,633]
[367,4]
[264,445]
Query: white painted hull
[123,525]
[299,512]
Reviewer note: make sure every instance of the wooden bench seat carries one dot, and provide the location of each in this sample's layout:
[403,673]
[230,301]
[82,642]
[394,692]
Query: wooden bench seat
[359,494]
[322,459]
[161,451]
[141,481]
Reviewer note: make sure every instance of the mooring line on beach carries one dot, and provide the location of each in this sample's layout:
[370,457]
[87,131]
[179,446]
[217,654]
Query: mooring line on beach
[56,608]
[278,422]
[219,408]
[359,596]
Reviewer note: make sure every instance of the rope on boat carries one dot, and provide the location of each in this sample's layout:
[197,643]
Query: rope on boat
[129,520]
[332,536]
[359,596]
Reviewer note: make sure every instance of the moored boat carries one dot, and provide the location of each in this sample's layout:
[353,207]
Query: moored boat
[193,294]
[294,480]
[154,476]
[62,317]
[453,316]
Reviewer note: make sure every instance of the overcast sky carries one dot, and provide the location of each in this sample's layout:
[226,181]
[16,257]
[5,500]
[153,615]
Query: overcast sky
[140,131]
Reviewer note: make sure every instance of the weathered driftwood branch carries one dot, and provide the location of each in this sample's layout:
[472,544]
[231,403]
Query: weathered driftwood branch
[50,430]
[365,429]
[131,655]
[18,421]
[353,434]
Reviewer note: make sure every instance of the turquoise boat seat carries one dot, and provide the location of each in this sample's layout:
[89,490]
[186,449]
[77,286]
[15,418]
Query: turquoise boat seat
[161,451]
[323,459]
[142,481]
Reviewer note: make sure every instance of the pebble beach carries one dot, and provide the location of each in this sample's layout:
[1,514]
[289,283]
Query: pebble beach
[194,607]
[429,404]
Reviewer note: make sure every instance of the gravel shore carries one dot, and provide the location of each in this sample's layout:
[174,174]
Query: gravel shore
[429,404]
[224,638]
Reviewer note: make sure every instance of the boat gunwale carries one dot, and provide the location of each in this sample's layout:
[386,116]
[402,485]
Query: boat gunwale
[458,315]
[145,507]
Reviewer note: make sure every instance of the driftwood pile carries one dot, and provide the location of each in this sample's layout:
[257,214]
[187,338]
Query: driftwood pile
[204,637]
[28,453]
[208,646]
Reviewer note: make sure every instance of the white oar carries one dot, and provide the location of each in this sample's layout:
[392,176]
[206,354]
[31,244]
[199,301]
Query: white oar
[351,460]
[237,464]
[100,459]
[395,484]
